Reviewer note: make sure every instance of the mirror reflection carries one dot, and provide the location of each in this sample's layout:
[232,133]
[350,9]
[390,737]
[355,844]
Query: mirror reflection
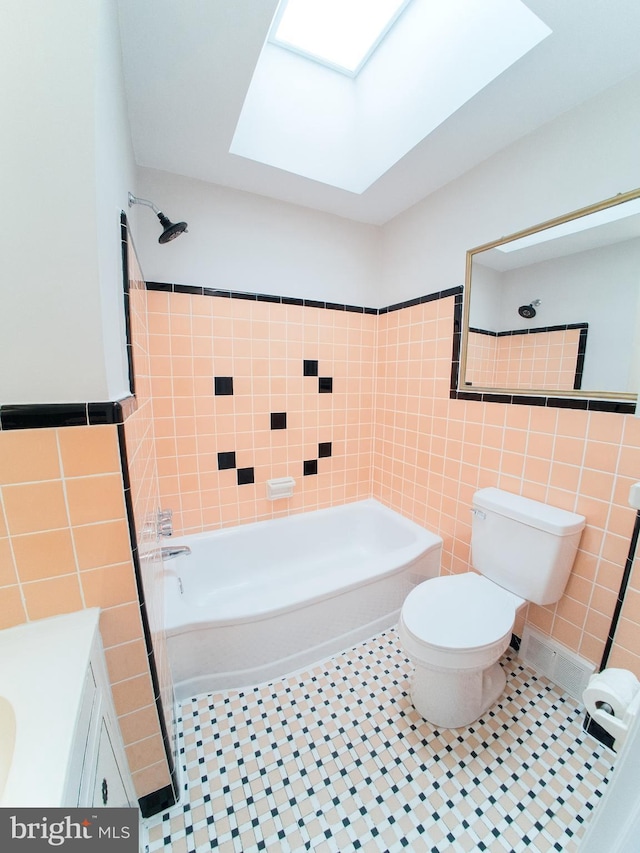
[555,309]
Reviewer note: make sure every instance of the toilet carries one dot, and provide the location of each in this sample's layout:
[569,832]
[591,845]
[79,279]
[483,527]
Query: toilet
[455,628]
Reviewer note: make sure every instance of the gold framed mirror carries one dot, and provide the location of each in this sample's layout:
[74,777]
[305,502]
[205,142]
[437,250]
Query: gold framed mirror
[554,310]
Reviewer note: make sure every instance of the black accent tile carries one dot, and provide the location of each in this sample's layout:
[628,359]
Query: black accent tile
[325,385]
[158,801]
[226,460]
[292,300]
[213,291]
[106,413]
[43,415]
[521,399]
[313,303]
[245,476]
[278,420]
[223,386]
[612,406]
[324,449]
[187,288]
[310,466]
[567,403]
[310,367]
[266,297]
[334,306]
[159,285]
[240,294]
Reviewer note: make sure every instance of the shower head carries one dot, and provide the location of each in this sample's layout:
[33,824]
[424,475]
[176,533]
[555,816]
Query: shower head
[529,311]
[170,230]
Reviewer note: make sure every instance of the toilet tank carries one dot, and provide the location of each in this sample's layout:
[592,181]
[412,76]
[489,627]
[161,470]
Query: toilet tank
[523,545]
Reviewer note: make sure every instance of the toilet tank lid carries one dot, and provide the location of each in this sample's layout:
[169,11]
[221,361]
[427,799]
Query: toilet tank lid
[534,513]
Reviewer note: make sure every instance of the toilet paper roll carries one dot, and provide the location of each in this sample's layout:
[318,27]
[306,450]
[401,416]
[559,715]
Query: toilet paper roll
[616,687]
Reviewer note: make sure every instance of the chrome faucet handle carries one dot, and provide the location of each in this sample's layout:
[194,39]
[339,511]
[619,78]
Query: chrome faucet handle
[164,523]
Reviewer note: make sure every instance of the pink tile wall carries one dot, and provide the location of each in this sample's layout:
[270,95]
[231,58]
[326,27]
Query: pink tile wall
[396,434]
[542,360]
[262,346]
[142,728]
[431,453]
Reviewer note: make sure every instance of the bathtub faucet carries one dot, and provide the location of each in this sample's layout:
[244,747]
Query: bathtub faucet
[174,551]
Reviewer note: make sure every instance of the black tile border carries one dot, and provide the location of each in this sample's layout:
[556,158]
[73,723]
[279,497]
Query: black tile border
[69,414]
[168,287]
[125,238]
[508,333]
[51,415]
[614,406]
[170,793]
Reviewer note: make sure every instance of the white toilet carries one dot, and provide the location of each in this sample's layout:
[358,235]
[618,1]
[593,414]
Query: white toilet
[456,627]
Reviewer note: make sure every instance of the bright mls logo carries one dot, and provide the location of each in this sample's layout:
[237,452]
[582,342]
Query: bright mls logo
[102,830]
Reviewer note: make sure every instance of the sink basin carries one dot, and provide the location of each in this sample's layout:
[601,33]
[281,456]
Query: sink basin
[7,740]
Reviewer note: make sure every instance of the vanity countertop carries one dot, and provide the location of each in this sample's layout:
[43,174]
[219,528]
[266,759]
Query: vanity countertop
[43,666]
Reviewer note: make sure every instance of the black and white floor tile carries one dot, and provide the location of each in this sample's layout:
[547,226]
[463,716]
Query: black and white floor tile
[335,759]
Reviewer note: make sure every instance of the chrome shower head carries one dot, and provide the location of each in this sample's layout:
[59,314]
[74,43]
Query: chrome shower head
[170,230]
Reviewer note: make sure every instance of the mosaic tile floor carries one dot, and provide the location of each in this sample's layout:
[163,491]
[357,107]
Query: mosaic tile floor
[335,759]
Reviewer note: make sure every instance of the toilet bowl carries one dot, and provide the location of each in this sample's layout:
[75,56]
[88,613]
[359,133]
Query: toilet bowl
[455,629]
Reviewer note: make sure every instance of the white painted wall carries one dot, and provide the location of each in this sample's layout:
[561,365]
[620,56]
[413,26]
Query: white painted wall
[584,156]
[114,178]
[241,241]
[60,327]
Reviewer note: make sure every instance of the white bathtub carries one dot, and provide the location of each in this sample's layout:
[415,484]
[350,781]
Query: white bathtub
[255,602]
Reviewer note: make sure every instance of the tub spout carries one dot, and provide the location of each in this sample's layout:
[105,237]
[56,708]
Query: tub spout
[174,551]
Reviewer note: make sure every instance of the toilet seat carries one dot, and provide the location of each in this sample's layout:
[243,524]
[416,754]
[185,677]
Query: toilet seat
[458,621]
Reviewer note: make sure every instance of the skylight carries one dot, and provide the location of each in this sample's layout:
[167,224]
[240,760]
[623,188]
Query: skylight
[339,33]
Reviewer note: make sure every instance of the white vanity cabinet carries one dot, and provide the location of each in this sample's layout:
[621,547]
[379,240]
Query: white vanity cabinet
[67,750]
[98,773]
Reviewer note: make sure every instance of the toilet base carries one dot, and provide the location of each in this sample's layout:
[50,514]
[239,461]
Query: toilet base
[457,698]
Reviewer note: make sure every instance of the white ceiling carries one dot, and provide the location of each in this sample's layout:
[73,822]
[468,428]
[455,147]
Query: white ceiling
[188,66]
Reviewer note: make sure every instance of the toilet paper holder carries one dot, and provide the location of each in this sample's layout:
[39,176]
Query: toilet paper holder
[612,699]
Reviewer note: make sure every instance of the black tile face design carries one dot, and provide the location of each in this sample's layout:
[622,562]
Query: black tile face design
[226,460]
[325,385]
[223,386]
[310,467]
[245,476]
[278,420]
[324,449]
[310,367]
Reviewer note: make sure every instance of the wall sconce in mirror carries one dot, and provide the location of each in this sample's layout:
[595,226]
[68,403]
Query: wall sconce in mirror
[579,338]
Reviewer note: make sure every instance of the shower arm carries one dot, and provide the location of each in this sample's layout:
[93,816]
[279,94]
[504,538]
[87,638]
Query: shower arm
[134,200]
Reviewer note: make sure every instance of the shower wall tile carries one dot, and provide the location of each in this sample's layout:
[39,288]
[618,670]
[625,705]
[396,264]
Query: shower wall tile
[394,432]
[144,732]
[64,545]
[431,453]
[279,411]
